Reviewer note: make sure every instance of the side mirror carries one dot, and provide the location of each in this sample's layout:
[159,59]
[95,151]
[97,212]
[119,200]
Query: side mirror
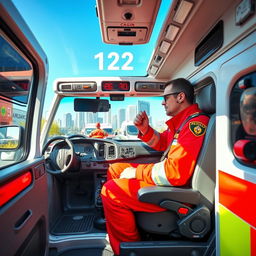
[125,133]
[10,137]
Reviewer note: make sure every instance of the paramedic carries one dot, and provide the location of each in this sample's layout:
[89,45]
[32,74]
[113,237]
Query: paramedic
[98,133]
[182,142]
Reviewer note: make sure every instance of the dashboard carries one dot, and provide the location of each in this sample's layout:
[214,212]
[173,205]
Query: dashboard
[99,150]
[98,153]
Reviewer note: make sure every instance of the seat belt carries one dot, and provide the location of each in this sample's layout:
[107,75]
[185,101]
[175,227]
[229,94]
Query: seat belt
[176,135]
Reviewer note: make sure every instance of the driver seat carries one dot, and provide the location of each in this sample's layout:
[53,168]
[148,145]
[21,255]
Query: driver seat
[189,209]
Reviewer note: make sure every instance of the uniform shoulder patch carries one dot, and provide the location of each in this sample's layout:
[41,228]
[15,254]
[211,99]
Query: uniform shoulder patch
[197,128]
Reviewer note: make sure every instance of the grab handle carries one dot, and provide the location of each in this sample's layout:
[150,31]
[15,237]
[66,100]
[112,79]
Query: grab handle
[22,220]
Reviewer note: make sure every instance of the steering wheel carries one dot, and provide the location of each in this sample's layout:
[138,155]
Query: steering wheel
[77,136]
[60,160]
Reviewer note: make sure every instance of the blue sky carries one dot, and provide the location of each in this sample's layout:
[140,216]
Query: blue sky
[69,33]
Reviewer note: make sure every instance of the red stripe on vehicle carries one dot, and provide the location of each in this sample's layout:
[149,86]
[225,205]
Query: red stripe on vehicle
[238,196]
[253,241]
[14,187]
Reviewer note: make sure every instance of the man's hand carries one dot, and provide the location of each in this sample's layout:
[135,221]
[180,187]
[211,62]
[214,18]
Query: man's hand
[128,173]
[141,122]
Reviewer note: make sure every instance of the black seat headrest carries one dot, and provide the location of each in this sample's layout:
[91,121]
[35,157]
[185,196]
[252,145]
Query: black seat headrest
[206,99]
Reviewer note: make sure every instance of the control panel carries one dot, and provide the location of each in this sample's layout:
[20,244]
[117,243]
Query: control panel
[127,152]
[100,179]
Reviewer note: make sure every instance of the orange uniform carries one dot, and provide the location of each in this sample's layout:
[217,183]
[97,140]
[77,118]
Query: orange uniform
[98,133]
[119,196]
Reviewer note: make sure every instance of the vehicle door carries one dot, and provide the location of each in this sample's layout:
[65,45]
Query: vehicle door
[23,181]
[236,151]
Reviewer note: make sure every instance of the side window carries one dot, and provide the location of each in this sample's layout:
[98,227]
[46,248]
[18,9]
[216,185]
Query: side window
[16,75]
[243,119]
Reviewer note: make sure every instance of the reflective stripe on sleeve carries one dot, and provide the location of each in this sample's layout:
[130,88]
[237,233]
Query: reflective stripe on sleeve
[154,139]
[158,174]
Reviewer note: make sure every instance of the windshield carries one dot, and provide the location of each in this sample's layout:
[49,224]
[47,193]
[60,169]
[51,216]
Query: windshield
[74,46]
[69,122]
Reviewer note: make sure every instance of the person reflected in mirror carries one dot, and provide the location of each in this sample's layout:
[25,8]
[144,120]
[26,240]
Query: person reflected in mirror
[98,132]
[248,111]
[181,142]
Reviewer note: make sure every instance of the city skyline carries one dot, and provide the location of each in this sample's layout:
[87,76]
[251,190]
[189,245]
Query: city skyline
[80,119]
[120,111]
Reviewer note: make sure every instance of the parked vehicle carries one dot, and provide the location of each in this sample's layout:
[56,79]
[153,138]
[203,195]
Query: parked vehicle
[128,131]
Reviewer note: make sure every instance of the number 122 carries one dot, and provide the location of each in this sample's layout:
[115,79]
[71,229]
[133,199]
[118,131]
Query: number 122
[115,56]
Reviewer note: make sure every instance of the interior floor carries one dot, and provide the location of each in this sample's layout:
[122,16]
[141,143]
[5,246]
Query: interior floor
[84,252]
[74,224]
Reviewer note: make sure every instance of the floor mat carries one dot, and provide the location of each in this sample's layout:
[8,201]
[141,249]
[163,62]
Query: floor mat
[74,224]
[88,252]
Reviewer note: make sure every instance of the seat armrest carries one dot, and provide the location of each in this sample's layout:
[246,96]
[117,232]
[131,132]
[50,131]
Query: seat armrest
[157,194]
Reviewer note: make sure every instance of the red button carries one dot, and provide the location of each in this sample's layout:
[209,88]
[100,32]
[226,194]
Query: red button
[183,210]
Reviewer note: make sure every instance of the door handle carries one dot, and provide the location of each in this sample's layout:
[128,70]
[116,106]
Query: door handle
[22,220]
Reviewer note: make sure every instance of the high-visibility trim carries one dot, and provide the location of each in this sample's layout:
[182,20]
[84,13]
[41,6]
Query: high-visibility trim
[253,241]
[238,196]
[234,234]
[154,139]
[158,174]
[14,187]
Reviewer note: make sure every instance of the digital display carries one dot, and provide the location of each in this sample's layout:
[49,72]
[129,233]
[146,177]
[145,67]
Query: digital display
[115,86]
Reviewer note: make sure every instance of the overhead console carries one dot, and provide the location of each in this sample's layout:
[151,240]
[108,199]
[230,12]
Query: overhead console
[105,86]
[127,21]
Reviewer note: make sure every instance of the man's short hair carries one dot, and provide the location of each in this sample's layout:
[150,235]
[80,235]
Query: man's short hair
[183,85]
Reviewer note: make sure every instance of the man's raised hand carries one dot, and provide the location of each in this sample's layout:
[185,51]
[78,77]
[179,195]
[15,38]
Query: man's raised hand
[141,122]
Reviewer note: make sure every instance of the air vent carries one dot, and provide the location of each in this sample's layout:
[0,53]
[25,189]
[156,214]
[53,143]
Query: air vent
[111,151]
[210,44]
[101,150]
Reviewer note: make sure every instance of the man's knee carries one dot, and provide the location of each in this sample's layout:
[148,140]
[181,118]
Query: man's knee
[106,189]
[115,170]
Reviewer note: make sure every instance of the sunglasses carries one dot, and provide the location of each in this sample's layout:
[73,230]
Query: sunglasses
[167,95]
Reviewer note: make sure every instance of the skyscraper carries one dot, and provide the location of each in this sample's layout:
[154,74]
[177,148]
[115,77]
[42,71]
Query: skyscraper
[107,117]
[131,112]
[68,122]
[80,120]
[144,106]
[114,122]
[95,117]
[121,115]
[89,117]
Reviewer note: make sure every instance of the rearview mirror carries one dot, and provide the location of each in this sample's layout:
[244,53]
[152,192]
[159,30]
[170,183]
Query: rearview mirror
[91,105]
[10,137]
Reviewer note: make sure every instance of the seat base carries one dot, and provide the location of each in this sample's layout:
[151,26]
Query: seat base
[158,222]
[167,248]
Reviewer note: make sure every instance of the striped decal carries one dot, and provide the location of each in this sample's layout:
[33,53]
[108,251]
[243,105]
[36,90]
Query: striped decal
[238,196]
[234,234]
[154,139]
[158,174]
[253,241]
[237,216]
